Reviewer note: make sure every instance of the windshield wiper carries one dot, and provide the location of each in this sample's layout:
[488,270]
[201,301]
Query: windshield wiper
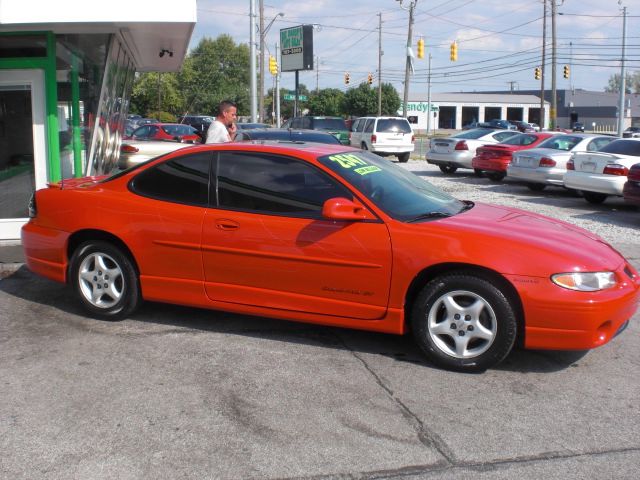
[428,215]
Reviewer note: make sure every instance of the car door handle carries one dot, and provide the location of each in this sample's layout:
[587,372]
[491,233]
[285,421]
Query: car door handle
[226,224]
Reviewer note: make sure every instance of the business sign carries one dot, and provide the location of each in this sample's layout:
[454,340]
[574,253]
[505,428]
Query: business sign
[296,48]
[419,107]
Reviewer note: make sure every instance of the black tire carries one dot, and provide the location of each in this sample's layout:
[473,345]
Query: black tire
[437,329]
[594,197]
[364,146]
[477,172]
[448,168]
[105,280]
[536,187]
[403,157]
[496,176]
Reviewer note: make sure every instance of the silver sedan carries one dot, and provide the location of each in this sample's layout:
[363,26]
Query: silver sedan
[133,152]
[458,150]
[547,164]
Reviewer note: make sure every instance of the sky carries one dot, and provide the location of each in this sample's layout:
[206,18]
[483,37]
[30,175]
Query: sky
[499,41]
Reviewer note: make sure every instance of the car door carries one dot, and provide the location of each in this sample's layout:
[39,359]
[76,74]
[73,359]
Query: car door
[267,244]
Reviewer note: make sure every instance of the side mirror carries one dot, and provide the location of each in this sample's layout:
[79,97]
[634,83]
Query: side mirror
[340,208]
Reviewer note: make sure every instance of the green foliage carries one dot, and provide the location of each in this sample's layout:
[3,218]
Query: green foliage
[164,117]
[328,101]
[632,83]
[390,100]
[361,101]
[153,90]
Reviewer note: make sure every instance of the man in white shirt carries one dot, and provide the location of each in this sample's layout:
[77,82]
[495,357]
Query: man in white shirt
[223,128]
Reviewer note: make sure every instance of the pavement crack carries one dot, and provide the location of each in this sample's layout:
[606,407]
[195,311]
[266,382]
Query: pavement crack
[427,437]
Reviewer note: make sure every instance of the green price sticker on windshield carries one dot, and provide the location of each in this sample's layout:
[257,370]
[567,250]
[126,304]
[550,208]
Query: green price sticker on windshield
[348,160]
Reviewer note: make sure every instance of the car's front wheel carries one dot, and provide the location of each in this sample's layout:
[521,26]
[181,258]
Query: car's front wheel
[536,187]
[105,280]
[496,176]
[464,322]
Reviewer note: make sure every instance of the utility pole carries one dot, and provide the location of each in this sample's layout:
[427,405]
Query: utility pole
[623,85]
[554,100]
[261,70]
[407,69]
[379,64]
[542,66]
[429,114]
[252,58]
[278,88]
[317,74]
[511,84]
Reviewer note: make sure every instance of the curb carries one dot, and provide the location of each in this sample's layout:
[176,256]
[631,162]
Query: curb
[7,269]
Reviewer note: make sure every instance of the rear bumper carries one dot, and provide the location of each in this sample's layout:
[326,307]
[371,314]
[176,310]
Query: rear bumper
[391,149]
[548,176]
[460,159]
[44,251]
[493,164]
[595,182]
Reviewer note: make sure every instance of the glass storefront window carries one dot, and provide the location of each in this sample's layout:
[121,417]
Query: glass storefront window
[23,46]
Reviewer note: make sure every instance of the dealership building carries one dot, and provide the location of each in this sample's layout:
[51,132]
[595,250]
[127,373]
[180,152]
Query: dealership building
[66,74]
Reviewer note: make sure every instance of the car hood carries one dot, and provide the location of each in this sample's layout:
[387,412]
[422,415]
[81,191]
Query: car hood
[512,238]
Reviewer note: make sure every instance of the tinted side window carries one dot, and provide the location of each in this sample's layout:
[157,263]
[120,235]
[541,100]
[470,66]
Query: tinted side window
[180,180]
[271,184]
[305,123]
[623,147]
[369,125]
[354,127]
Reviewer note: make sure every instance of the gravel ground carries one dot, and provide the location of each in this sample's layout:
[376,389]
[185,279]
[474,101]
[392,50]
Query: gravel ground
[614,220]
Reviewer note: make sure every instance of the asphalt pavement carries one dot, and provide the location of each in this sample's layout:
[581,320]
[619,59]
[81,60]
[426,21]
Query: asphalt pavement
[176,392]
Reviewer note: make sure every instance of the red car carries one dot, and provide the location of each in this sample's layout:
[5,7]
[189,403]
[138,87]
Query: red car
[166,131]
[492,160]
[331,235]
[631,189]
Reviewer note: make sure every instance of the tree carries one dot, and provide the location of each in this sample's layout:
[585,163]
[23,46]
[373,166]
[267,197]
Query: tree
[286,106]
[328,101]
[390,100]
[215,70]
[361,101]
[149,89]
[632,83]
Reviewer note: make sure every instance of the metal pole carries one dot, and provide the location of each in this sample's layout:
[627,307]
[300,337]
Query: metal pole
[429,96]
[623,80]
[380,64]
[278,89]
[252,58]
[295,101]
[408,63]
[542,66]
[261,70]
[554,100]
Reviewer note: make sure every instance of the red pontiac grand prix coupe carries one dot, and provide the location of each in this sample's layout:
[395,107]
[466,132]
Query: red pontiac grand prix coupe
[492,160]
[330,235]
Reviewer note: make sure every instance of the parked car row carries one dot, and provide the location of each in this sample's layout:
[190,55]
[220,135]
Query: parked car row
[598,166]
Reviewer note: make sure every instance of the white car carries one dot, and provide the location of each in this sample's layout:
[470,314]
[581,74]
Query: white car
[384,136]
[457,151]
[603,173]
[133,152]
[547,163]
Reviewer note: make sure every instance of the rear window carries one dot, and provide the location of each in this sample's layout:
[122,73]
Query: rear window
[561,142]
[623,147]
[522,139]
[471,134]
[329,124]
[393,125]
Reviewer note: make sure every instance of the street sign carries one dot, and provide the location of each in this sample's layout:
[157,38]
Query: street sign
[289,96]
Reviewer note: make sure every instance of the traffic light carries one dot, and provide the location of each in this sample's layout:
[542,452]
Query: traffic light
[566,71]
[421,48]
[454,51]
[346,78]
[537,73]
[370,79]
[273,65]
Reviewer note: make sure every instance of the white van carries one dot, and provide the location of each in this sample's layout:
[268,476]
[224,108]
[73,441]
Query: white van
[383,135]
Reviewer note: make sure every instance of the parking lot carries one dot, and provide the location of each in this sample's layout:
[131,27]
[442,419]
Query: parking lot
[176,392]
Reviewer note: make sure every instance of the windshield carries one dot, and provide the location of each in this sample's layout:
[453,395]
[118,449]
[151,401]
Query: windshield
[561,142]
[398,192]
[329,124]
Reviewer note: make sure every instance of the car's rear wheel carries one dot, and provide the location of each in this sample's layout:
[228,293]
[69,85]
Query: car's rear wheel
[496,176]
[448,169]
[477,172]
[364,146]
[105,280]
[594,197]
[536,187]
[464,322]
[403,157]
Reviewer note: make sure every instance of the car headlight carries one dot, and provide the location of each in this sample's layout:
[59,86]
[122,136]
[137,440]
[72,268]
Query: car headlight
[585,281]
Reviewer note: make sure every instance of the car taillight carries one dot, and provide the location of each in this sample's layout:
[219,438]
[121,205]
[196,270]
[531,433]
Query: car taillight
[547,162]
[571,165]
[634,173]
[374,139]
[413,139]
[462,145]
[350,133]
[616,169]
[129,149]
